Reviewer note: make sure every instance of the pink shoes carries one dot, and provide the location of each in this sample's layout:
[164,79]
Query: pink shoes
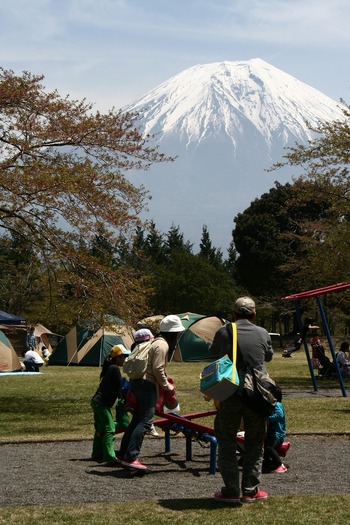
[260,495]
[136,464]
[280,469]
[218,496]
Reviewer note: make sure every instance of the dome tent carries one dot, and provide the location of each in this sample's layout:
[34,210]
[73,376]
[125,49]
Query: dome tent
[66,352]
[194,341]
[95,350]
[87,347]
[9,361]
[198,335]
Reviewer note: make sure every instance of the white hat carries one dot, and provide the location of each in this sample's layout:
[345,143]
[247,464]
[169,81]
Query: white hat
[171,323]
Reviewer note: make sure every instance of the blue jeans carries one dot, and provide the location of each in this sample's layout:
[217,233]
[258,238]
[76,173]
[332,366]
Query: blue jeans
[146,396]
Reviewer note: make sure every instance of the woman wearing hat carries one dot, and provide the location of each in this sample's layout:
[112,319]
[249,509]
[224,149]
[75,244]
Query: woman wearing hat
[146,391]
[141,336]
[109,390]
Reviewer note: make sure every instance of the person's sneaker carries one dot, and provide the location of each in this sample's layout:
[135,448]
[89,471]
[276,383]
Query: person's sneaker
[129,463]
[112,463]
[260,495]
[218,496]
[152,431]
[281,468]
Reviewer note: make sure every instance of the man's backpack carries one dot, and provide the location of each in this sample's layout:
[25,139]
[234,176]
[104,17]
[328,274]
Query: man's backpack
[260,392]
[135,365]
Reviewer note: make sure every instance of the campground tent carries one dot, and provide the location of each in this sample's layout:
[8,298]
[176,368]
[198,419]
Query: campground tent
[198,335]
[43,337]
[15,330]
[9,361]
[66,352]
[6,318]
[17,335]
[194,341]
[99,345]
[152,323]
[82,346]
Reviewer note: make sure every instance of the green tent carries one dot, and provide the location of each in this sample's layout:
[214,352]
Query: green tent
[66,352]
[198,335]
[95,350]
[85,347]
[9,361]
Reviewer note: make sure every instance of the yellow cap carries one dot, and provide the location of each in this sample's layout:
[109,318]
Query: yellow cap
[119,350]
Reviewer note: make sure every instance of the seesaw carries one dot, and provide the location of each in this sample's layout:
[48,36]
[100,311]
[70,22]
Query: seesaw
[191,431]
[170,421]
[196,431]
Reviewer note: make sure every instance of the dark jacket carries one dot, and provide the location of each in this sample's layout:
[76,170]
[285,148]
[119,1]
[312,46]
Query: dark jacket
[109,388]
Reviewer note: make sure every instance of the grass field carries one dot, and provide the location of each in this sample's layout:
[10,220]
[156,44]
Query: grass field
[56,404]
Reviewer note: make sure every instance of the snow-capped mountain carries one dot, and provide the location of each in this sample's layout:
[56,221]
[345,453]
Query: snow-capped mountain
[226,122]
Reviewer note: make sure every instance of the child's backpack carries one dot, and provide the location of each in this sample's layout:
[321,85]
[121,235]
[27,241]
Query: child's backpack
[135,365]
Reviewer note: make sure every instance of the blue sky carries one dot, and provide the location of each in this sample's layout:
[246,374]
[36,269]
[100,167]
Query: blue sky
[112,52]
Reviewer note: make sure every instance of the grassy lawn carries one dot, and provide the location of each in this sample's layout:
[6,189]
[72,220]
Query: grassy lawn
[56,404]
[30,404]
[308,510]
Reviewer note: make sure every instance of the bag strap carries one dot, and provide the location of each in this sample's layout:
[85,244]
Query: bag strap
[234,343]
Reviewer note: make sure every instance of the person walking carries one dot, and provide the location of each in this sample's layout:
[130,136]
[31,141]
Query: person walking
[140,336]
[108,391]
[147,389]
[254,347]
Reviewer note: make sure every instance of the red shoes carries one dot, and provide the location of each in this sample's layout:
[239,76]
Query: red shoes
[136,464]
[260,495]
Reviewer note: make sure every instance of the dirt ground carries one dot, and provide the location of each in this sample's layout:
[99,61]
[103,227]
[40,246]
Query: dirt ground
[61,473]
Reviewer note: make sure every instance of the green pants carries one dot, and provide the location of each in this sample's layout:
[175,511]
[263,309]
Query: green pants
[103,445]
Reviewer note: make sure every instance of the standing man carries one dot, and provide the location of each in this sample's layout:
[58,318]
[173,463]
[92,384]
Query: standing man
[31,339]
[253,349]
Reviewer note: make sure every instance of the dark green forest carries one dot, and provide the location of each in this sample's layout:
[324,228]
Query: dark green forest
[272,254]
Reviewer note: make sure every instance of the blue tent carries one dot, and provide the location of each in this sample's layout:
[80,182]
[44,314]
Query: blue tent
[6,318]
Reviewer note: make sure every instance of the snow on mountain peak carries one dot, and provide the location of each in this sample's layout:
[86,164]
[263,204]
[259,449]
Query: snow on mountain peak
[226,123]
[222,97]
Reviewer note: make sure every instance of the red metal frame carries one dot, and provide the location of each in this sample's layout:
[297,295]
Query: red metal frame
[317,292]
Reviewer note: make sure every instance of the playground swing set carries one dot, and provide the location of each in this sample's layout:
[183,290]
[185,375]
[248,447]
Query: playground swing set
[315,343]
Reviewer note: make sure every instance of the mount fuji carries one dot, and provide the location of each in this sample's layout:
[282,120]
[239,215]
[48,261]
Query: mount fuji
[227,123]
